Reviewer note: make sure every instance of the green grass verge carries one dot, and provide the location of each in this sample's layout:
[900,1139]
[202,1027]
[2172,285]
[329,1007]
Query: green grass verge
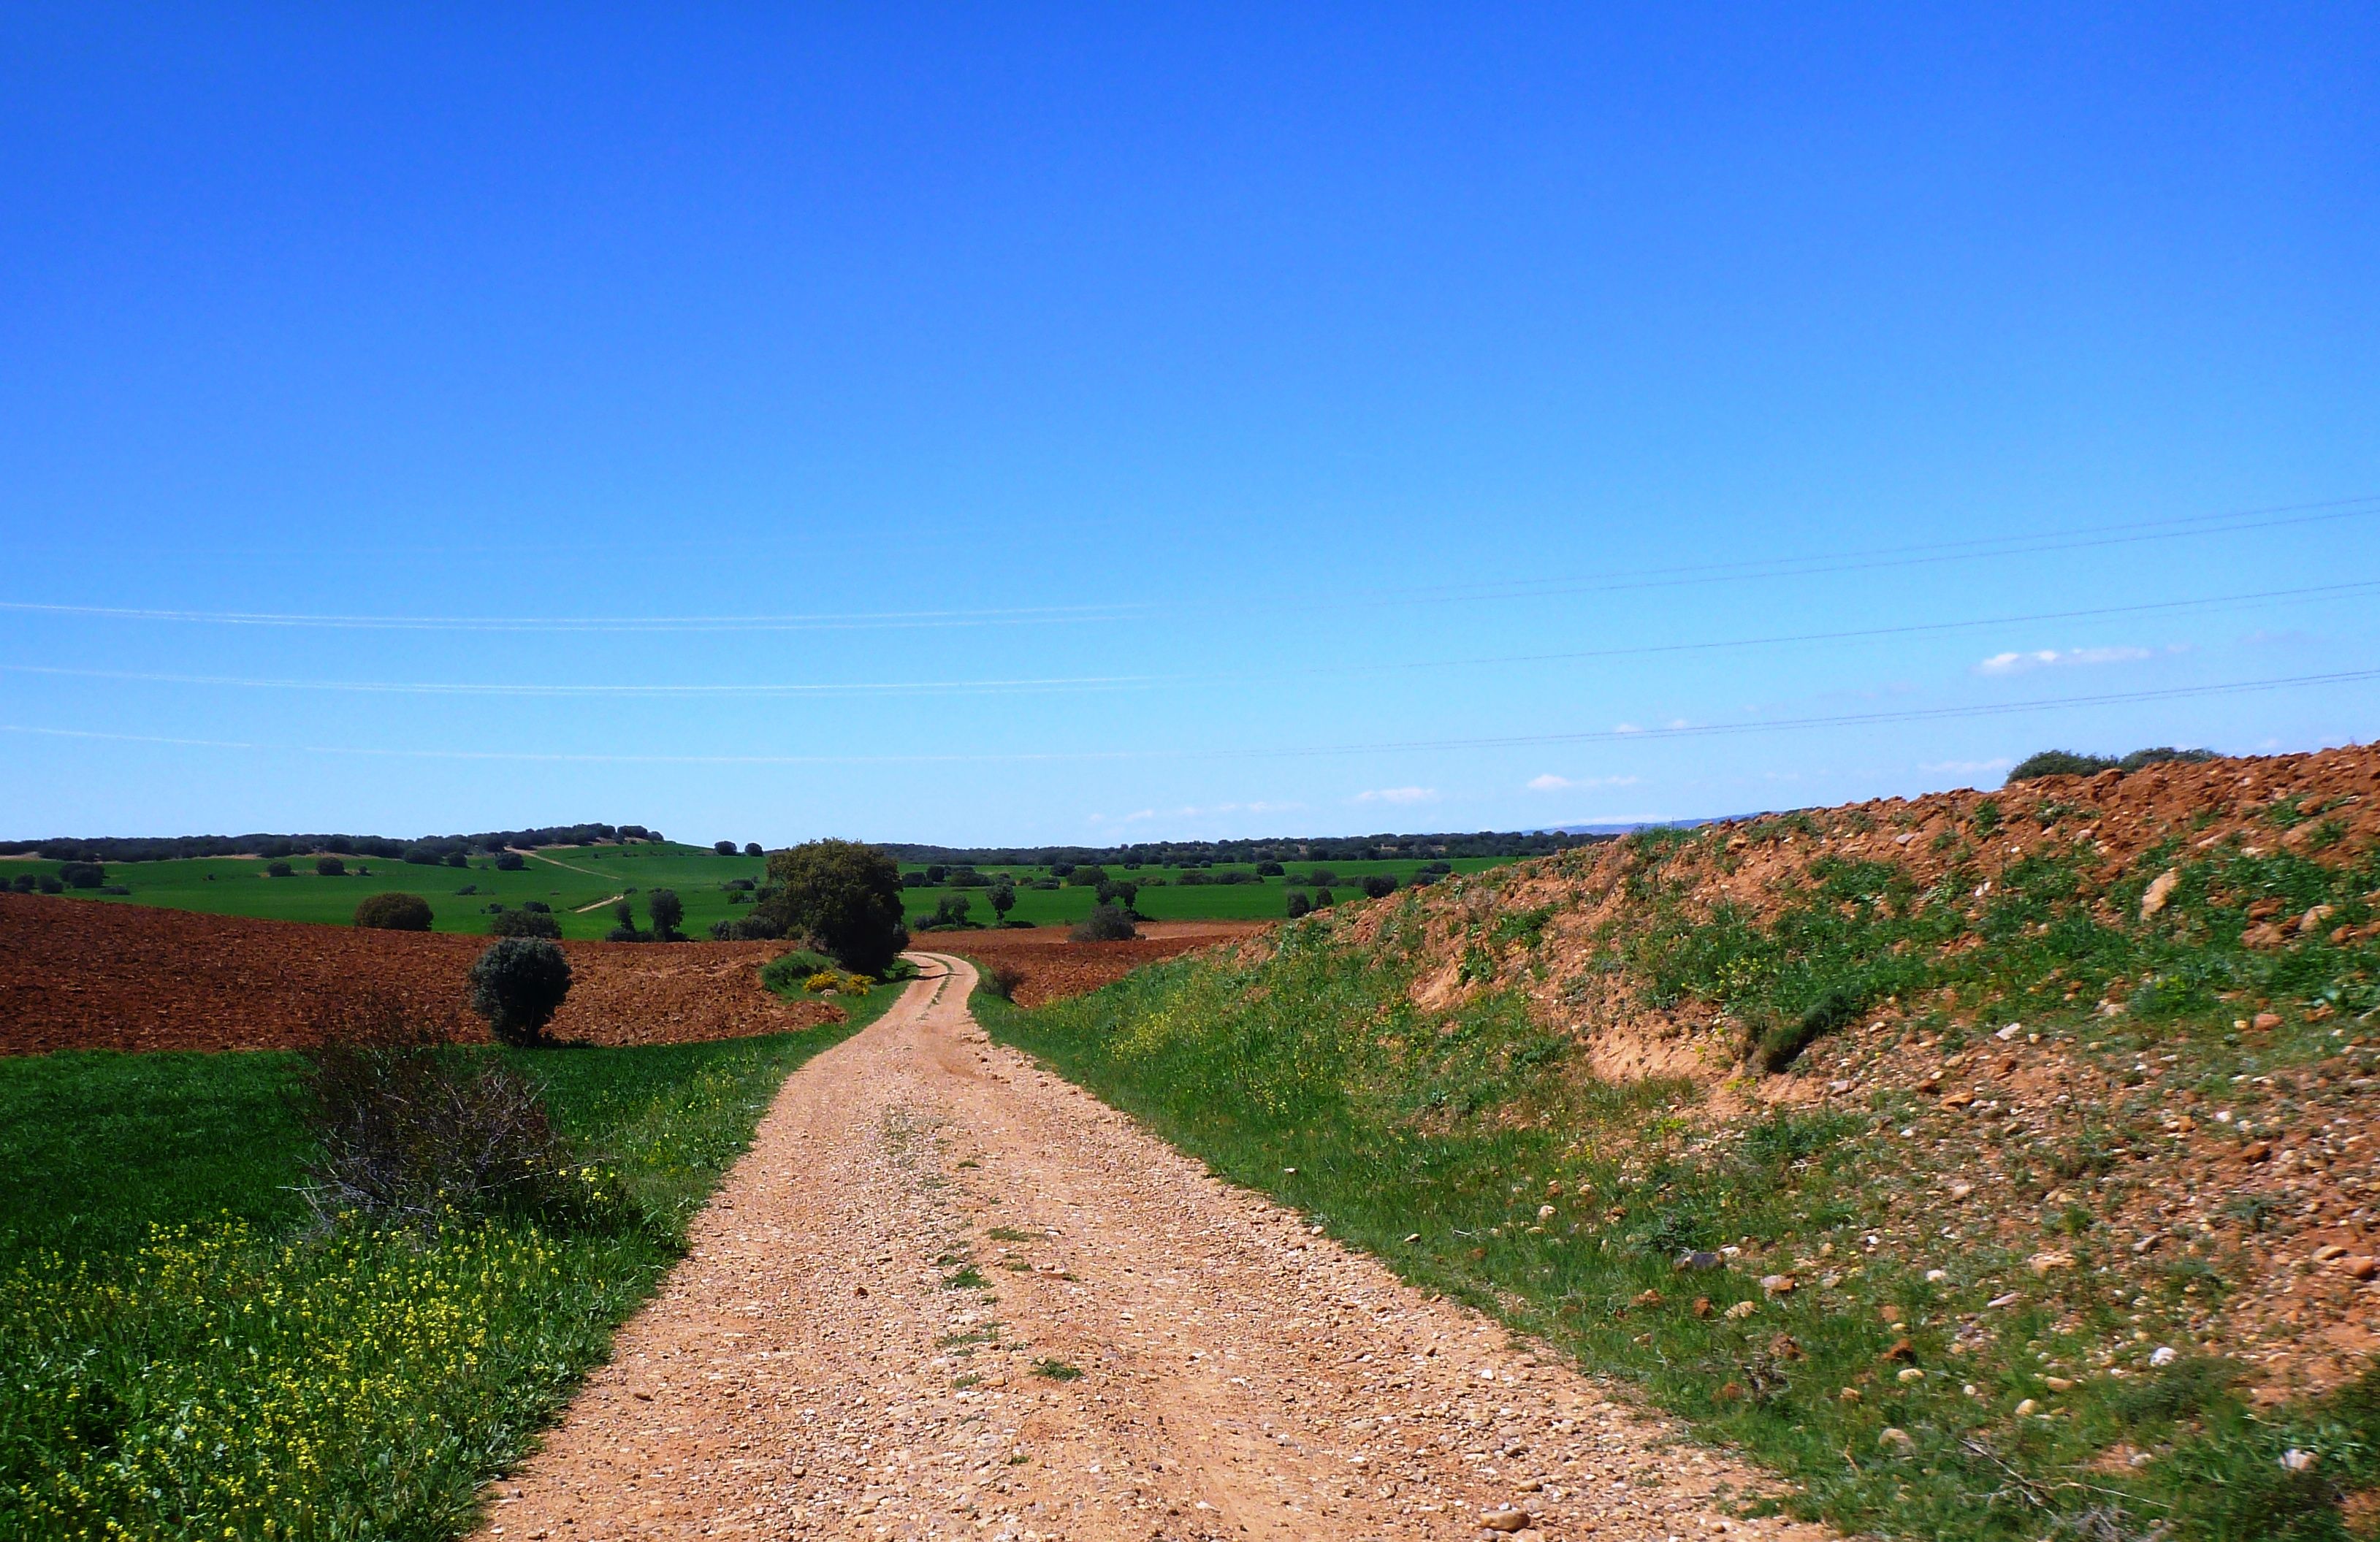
[1312,1076]
[182,1355]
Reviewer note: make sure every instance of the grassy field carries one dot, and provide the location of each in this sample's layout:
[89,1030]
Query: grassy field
[183,1355]
[1164,897]
[1898,1386]
[571,879]
[567,877]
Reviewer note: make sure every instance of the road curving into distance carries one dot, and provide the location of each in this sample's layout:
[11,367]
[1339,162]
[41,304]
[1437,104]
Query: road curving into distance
[947,1295]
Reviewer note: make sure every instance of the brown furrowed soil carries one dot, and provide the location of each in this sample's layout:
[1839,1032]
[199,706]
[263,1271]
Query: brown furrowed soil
[78,976]
[1052,966]
[948,1295]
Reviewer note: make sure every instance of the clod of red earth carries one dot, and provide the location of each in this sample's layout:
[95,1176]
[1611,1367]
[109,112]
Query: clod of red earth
[80,976]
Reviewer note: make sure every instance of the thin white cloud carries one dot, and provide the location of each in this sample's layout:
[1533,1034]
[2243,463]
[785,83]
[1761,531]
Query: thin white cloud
[2053,658]
[1192,811]
[1398,795]
[1628,728]
[1550,782]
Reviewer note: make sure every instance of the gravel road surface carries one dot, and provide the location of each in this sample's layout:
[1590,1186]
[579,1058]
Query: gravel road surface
[948,1295]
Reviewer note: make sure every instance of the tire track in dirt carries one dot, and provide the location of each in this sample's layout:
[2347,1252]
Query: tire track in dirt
[861,1340]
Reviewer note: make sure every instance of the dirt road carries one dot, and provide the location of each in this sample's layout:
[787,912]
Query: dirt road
[948,1295]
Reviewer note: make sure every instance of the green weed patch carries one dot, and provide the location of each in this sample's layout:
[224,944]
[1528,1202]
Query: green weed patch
[183,1355]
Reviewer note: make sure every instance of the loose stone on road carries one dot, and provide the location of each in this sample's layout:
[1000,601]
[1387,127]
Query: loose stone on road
[946,1295]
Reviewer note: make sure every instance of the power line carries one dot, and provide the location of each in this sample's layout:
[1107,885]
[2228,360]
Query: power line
[1842,719]
[1113,682]
[2238,522]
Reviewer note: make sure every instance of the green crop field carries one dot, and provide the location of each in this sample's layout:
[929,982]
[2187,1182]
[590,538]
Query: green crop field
[1227,892]
[569,878]
[185,1353]
[580,882]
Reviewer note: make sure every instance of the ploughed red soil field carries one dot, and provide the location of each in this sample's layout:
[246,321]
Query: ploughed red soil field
[1051,968]
[78,976]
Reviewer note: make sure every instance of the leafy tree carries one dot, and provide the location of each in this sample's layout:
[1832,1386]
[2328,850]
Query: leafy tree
[1298,904]
[331,866]
[278,868]
[1379,886]
[459,858]
[518,985]
[2140,757]
[2060,762]
[667,910]
[1088,876]
[950,911]
[626,914]
[510,862]
[393,911]
[751,848]
[936,872]
[526,923]
[84,875]
[1119,892]
[1324,897]
[1104,924]
[1004,898]
[844,896]
[1268,869]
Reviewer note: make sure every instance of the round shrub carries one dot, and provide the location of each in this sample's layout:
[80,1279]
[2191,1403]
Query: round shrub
[537,905]
[393,911]
[518,985]
[751,848]
[1298,904]
[1106,923]
[330,866]
[1324,897]
[2060,762]
[526,923]
[82,875]
[50,885]
[277,868]
[510,862]
[1379,886]
[459,858]
[724,848]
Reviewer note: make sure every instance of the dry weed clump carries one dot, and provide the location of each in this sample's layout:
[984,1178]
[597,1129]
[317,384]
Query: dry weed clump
[415,1130]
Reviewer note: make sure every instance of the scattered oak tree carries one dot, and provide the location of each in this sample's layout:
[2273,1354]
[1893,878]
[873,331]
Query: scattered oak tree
[518,985]
[842,895]
[393,911]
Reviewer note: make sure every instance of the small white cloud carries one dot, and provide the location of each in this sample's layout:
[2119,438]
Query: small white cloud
[1398,795]
[1550,782]
[1627,728]
[2052,658]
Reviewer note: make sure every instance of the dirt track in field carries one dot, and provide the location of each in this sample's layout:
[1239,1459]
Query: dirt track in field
[858,1345]
[1051,967]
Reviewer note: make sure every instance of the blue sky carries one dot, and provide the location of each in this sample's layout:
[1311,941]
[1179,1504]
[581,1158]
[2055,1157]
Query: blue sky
[1312,408]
